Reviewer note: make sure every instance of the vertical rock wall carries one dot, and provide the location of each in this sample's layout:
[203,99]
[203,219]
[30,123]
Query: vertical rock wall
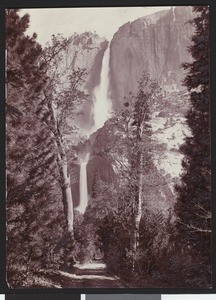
[156,44]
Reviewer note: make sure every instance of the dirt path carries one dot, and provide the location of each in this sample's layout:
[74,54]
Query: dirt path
[87,276]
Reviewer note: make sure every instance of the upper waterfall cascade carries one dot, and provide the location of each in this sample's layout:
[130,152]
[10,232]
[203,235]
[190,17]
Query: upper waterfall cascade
[101,103]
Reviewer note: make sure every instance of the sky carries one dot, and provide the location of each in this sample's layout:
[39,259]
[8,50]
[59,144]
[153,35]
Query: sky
[104,21]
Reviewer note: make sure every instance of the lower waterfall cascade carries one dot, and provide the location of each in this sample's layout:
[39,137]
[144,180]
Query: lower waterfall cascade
[83,188]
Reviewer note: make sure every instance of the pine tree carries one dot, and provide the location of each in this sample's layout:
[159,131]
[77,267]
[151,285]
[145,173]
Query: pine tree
[32,194]
[129,149]
[193,206]
[28,141]
[141,154]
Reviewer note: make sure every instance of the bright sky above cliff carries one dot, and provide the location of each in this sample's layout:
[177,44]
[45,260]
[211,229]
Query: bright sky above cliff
[104,21]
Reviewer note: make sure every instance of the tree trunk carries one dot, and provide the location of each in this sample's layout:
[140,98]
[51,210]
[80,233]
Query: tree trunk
[63,170]
[138,203]
[65,187]
[67,198]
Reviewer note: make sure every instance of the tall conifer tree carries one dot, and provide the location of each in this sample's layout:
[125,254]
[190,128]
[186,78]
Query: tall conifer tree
[193,207]
[32,192]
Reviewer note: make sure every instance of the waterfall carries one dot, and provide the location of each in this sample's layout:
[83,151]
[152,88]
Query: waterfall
[83,185]
[101,112]
[101,103]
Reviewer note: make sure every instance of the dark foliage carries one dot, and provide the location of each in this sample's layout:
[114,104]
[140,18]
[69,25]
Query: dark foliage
[193,207]
[35,221]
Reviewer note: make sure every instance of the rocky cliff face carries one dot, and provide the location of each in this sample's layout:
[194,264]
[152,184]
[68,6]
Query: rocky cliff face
[156,44]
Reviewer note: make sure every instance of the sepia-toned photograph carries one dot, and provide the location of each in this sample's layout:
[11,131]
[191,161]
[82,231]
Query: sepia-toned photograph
[108,162]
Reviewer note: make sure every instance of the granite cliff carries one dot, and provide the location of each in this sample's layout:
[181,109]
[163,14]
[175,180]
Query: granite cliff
[156,44]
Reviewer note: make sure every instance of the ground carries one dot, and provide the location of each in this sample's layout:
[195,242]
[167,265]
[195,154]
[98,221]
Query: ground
[94,275]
